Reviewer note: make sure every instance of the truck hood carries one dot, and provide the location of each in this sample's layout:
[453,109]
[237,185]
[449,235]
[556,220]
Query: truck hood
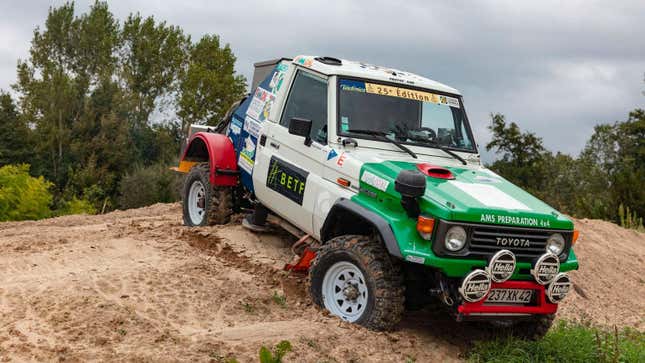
[475,194]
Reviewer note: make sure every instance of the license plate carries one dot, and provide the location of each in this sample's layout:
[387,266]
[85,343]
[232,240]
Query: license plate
[518,296]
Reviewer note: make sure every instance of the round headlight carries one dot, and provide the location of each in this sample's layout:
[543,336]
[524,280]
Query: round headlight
[555,244]
[455,238]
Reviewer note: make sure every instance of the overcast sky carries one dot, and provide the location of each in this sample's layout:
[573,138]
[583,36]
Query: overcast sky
[557,68]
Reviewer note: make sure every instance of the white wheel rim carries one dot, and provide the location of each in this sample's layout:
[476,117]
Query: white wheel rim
[345,291]
[196,202]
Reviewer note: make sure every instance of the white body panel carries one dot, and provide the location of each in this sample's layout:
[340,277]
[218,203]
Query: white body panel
[326,163]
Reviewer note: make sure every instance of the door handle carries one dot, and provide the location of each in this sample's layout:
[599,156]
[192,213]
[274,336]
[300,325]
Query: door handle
[274,145]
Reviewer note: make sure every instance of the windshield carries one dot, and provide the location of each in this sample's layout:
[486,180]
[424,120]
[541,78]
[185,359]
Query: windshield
[405,115]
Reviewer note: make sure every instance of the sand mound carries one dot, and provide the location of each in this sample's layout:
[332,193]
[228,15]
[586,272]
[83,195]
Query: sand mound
[136,285]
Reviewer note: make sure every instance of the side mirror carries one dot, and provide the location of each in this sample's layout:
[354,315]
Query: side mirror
[301,127]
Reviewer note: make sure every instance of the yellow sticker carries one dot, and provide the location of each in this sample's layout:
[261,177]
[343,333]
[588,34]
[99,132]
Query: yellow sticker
[410,94]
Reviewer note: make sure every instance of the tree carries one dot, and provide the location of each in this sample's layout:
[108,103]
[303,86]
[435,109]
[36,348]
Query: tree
[522,154]
[15,145]
[152,57]
[209,86]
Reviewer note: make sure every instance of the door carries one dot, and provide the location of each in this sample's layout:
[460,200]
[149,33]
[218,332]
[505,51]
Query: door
[287,172]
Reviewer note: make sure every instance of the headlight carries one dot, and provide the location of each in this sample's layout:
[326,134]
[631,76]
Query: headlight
[455,238]
[555,244]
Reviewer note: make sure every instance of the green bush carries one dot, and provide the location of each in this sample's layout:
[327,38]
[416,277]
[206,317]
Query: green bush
[275,356]
[566,342]
[22,196]
[76,206]
[149,185]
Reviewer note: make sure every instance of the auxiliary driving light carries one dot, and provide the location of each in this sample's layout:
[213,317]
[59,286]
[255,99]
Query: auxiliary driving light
[501,266]
[475,286]
[546,268]
[559,288]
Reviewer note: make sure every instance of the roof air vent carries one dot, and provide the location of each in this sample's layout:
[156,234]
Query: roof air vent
[329,61]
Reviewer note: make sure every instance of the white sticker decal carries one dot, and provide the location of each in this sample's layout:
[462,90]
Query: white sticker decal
[235,129]
[252,127]
[485,179]
[375,181]
[261,104]
[453,102]
[415,259]
[489,195]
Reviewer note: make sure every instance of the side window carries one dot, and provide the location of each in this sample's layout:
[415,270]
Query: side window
[308,99]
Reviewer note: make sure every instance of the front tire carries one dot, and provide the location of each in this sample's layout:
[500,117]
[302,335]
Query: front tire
[354,278]
[202,203]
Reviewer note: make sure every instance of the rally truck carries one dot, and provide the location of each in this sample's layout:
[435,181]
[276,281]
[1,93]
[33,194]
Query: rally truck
[377,172]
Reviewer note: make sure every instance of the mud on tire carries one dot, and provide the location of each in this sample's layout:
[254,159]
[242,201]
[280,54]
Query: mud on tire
[383,278]
[216,202]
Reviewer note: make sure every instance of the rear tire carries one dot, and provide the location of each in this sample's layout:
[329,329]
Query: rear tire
[203,204]
[354,278]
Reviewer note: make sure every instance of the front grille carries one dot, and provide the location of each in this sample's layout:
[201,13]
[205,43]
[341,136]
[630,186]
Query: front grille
[482,241]
[526,244]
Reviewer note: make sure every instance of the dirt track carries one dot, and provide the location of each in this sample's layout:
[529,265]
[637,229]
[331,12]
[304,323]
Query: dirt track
[138,286]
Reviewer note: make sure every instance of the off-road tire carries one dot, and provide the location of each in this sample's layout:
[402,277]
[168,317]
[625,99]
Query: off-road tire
[383,275]
[218,200]
[533,329]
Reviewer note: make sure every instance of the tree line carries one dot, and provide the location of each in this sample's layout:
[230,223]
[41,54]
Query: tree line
[100,107]
[101,104]
[606,181]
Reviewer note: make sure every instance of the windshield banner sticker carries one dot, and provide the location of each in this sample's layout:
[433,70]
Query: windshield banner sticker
[410,94]
[287,179]
[261,104]
[375,181]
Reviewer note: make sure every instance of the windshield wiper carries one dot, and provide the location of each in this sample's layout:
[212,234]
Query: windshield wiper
[383,136]
[437,145]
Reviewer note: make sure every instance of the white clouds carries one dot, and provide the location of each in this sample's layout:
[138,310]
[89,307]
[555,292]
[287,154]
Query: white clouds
[555,67]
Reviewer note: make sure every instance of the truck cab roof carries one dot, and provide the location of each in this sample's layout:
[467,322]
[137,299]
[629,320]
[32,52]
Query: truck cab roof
[355,69]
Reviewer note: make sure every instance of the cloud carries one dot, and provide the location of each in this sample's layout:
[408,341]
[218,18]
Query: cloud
[556,68]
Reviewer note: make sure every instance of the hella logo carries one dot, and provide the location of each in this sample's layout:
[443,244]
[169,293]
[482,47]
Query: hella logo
[513,242]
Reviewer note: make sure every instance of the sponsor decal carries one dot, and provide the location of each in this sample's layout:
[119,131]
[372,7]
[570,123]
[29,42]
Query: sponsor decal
[415,259]
[485,179]
[247,155]
[489,195]
[287,179]
[252,127]
[261,104]
[352,86]
[332,154]
[276,81]
[411,94]
[375,181]
[235,129]
[341,159]
[304,61]
[520,221]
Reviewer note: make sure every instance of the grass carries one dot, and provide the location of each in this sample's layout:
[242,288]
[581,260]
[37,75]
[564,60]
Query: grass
[566,342]
[279,299]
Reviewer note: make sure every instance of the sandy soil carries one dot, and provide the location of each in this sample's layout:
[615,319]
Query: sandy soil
[138,286]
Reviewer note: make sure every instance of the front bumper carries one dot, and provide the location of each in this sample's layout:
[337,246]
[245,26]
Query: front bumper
[482,309]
